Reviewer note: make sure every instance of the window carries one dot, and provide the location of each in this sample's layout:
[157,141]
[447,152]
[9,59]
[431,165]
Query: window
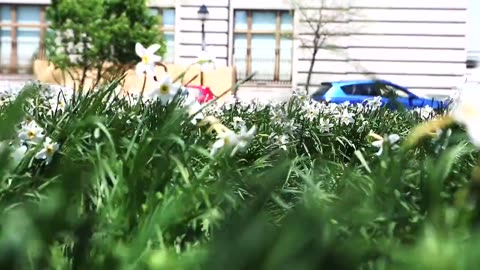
[389,90]
[322,90]
[263,44]
[365,89]
[167,27]
[22,32]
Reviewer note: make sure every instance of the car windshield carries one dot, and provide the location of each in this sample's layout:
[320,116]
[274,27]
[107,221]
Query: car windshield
[324,87]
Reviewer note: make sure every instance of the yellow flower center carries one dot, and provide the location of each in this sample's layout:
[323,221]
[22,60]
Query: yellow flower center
[31,134]
[50,150]
[164,89]
[145,59]
[226,140]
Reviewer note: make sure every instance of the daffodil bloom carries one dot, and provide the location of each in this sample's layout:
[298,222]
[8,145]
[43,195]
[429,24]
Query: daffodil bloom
[245,136]
[149,58]
[48,150]
[392,139]
[375,102]
[31,133]
[230,139]
[227,138]
[346,117]
[238,122]
[206,61]
[282,141]
[466,111]
[57,104]
[311,112]
[165,90]
[193,107]
[325,125]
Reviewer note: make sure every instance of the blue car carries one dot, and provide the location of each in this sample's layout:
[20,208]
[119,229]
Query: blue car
[359,91]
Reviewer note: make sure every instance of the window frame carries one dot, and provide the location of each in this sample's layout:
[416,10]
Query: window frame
[162,29]
[14,26]
[277,32]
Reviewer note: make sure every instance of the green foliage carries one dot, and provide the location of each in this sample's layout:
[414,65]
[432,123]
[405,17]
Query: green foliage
[90,33]
[133,186]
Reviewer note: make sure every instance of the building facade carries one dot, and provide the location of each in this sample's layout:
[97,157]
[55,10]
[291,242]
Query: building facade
[418,44]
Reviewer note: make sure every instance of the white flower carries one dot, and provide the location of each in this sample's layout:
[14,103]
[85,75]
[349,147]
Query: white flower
[311,112]
[425,113]
[362,127]
[332,108]
[346,117]
[48,150]
[466,111]
[238,122]
[289,126]
[277,115]
[345,104]
[69,34]
[301,95]
[206,61]
[379,143]
[31,133]
[245,136]
[282,141]
[227,139]
[165,91]
[193,107]
[57,104]
[230,139]
[325,125]
[148,56]
[375,102]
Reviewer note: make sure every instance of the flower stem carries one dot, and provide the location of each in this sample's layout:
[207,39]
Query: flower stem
[143,86]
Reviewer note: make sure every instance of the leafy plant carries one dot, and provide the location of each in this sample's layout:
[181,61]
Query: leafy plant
[98,35]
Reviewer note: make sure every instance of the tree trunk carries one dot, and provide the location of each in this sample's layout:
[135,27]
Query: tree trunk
[310,69]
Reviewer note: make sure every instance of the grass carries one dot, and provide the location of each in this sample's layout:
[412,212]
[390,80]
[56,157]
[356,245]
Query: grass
[134,186]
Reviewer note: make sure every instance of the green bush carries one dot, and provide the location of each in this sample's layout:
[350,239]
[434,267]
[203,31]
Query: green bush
[89,33]
[133,186]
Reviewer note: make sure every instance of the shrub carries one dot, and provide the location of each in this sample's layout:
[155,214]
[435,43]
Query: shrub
[89,34]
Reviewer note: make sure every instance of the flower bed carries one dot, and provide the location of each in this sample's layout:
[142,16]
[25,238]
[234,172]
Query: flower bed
[100,181]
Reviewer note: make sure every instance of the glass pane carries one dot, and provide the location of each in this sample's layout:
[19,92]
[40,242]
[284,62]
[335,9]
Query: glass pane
[240,55]
[5,48]
[168,18]
[241,20]
[28,42]
[169,39]
[286,50]
[263,56]
[5,14]
[264,20]
[28,14]
[286,21]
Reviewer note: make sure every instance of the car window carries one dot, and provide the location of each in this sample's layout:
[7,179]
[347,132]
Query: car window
[364,89]
[323,89]
[388,90]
